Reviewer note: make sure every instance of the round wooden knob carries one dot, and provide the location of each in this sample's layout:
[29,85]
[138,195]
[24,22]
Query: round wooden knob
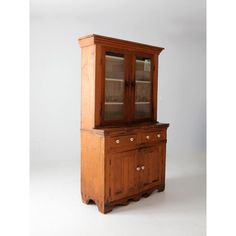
[158,135]
[117,141]
[131,139]
[147,137]
[138,168]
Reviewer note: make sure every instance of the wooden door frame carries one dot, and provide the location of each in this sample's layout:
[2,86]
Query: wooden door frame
[109,182]
[153,80]
[141,157]
[126,54]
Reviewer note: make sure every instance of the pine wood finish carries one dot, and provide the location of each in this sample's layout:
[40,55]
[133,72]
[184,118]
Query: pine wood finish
[123,153]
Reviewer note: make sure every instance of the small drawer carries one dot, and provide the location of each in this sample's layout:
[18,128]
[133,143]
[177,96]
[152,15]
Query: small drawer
[160,135]
[154,136]
[121,143]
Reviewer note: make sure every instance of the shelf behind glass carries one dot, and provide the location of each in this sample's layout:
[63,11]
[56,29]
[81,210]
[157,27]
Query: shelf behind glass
[114,103]
[142,103]
[114,79]
[115,58]
[143,81]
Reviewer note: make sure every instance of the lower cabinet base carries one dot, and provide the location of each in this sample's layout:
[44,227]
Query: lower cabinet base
[119,164]
[108,207]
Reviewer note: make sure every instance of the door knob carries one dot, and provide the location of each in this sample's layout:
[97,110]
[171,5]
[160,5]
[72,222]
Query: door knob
[158,135]
[131,139]
[142,167]
[138,168]
[117,141]
[147,137]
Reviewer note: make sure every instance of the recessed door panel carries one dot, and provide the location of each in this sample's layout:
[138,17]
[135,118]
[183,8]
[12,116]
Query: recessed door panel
[151,162]
[124,177]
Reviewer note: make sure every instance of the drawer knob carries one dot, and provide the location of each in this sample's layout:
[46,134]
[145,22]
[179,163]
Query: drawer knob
[117,141]
[131,139]
[138,168]
[147,137]
[158,135]
[142,167]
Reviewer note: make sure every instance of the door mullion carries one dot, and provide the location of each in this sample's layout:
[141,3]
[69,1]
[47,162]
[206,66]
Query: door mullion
[132,90]
[127,95]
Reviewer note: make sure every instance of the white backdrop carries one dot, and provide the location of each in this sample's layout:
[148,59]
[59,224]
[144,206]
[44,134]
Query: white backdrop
[178,25]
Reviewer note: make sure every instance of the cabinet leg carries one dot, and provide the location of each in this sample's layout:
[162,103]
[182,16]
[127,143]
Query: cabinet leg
[104,208]
[161,188]
[85,198]
[137,198]
[147,194]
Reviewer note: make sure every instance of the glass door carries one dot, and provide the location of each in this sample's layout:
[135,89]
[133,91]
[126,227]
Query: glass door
[143,88]
[114,86]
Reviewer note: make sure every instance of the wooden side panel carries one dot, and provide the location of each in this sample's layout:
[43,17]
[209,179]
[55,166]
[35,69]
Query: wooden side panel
[88,87]
[99,86]
[92,167]
[162,150]
[155,87]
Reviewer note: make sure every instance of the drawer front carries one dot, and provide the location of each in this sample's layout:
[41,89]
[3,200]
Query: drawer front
[153,136]
[122,143]
[160,135]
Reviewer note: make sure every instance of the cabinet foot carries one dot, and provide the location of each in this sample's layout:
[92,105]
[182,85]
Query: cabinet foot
[137,198]
[104,208]
[85,199]
[147,194]
[161,188]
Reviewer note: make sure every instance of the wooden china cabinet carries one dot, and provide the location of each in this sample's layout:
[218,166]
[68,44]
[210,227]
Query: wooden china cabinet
[123,146]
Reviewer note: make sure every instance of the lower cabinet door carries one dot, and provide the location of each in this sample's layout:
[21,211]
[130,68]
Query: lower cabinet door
[152,166]
[123,176]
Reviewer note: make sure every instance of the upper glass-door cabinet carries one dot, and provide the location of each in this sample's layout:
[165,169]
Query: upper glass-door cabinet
[143,88]
[114,87]
[119,81]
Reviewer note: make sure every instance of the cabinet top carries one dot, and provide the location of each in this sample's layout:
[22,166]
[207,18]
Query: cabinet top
[113,42]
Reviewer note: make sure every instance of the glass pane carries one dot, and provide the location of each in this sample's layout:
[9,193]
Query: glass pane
[114,86]
[143,88]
